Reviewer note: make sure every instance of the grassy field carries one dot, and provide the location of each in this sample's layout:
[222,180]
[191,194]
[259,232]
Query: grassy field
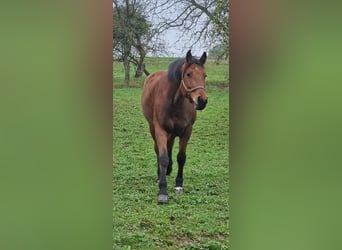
[217,71]
[197,219]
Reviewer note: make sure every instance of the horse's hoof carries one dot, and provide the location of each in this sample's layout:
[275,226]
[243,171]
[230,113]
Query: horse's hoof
[163,199]
[179,190]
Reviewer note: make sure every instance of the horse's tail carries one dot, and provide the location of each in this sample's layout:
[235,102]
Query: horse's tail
[146,72]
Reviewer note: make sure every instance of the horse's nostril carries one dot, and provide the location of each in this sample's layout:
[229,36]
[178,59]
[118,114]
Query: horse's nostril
[200,101]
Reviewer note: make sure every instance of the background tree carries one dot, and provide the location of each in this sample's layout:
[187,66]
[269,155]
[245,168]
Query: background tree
[131,33]
[220,20]
[218,52]
[201,20]
[138,24]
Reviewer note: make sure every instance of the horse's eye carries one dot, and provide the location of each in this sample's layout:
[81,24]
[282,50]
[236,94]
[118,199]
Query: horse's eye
[188,74]
[205,76]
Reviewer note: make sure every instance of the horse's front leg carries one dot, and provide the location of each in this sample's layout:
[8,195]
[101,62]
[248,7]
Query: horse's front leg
[181,158]
[163,162]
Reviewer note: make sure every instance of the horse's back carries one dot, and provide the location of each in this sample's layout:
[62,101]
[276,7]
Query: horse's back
[153,80]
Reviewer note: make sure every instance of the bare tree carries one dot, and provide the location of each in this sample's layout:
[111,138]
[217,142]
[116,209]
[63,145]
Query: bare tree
[139,23]
[133,35]
[202,20]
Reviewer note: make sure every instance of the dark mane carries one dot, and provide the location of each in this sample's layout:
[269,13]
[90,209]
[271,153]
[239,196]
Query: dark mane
[174,73]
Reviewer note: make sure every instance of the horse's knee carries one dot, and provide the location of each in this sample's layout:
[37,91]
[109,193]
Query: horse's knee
[181,157]
[164,160]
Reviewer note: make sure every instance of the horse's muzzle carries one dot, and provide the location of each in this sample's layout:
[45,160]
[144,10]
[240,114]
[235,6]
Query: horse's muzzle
[201,103]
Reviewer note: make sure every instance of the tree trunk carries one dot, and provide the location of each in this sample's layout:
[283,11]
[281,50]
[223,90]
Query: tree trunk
[127,69]
[141,68]
[141,65]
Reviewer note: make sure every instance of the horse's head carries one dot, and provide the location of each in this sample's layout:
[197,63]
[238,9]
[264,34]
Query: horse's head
[193,80]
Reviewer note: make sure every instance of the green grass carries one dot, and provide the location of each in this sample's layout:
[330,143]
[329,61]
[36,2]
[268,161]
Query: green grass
[197,219]
[217,71]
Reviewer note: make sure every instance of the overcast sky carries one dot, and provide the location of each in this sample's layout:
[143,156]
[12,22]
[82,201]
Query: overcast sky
[177,44]
[179,49]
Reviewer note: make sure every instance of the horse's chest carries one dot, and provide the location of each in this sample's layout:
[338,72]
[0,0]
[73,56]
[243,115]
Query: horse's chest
[177,124]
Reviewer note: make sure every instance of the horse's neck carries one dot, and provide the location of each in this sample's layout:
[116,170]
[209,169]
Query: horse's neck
[177,96]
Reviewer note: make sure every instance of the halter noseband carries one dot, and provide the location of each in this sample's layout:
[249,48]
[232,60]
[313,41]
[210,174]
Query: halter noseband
[188,91]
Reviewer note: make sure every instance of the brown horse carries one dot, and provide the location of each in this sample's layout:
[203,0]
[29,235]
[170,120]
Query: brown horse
[169,101]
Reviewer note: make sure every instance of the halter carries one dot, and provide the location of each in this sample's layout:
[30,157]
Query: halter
[188,91]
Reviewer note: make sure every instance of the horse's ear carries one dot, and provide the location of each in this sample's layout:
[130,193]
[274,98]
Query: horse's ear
[203,58]
[188,57]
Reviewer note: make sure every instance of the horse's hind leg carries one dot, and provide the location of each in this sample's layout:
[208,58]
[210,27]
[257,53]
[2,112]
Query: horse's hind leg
[155,147]
[181,158]
[170,142]
[157,155]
